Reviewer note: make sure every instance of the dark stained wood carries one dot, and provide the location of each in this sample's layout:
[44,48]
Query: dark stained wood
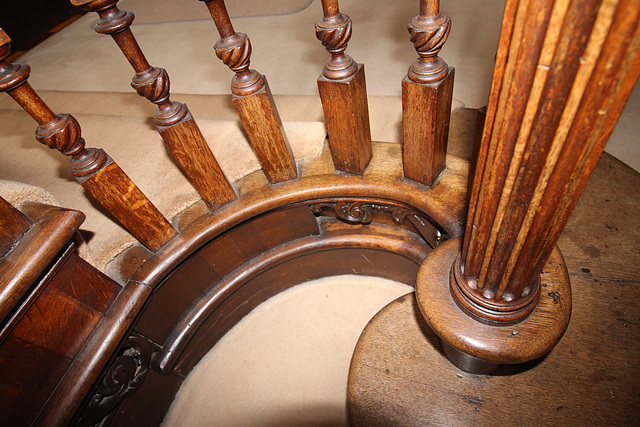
[343,92]
[14,225]
[93,357]
[253,100]
[173,119]
[427,93]
[377,250]
[29,374]
[154,405]
[602,238]
[194,279]
[444,203]
[60,302]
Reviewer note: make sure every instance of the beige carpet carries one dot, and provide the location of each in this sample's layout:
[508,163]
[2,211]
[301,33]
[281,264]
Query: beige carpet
[131,139]
[287,362]
[155,12]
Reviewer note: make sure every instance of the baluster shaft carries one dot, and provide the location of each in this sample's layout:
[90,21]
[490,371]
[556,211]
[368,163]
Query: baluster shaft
[343,92]
[253,100]
[173,119]
[427,92]
[93,168]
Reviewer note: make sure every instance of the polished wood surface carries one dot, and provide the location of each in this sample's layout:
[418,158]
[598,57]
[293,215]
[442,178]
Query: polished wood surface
[427,93]
[52,300]
[253,100]
[566,65]
[177,127]
[399,374]
[31,253]
[343,92]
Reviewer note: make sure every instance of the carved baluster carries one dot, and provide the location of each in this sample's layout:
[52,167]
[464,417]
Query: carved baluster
[252,99]
[570,70]
[427,92]
[173,119]
[92,167]
[343,92]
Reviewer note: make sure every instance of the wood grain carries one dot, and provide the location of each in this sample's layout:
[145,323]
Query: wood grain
[425,126]
[124,200]
[427,92]
[14,225]
[33,254]
[262,122]
[346,113]
[557,92]
[253,100]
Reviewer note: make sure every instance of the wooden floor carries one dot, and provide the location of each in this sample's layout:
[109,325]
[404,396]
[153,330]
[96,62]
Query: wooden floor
[399,376]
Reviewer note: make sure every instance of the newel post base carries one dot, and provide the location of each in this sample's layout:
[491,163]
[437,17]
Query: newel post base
[480,347]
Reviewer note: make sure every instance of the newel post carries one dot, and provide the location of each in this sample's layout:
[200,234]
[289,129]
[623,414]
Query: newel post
[564,70]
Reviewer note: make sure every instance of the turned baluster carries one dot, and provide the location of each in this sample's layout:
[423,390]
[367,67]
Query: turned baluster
[343,92]
[252,99]
[173,119]
[571,68]
[427,92]
[93,168]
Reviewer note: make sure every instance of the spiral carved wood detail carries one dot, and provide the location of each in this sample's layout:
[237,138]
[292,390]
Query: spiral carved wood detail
[152,84]
[235,52]
[428,34]
[335,33]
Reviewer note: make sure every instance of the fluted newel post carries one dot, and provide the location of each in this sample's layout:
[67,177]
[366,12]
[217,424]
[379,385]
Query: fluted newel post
[427,92]
[502,294]
[252,99]
[343,92]
[173,119]
[93,168]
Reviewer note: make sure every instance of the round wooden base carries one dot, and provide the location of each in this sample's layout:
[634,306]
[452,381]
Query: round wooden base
[399,375]
[532,338]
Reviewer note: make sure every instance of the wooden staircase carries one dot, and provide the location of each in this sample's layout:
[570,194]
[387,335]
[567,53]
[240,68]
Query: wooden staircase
[492,286]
